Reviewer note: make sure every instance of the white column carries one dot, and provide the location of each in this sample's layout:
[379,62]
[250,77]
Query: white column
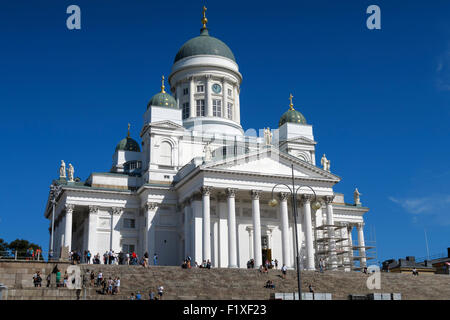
[310,265]
[361,244]
[257,250]
[206,253]
[192,105]
[92,230]
[350,244]
[115,234]
[149,230]
[196,231]
[285,229]
[237,104]
[208,100]
[330,221]
[223,233]
[224,99]
[187,229]
[232,254]
[68,226]
[179,93]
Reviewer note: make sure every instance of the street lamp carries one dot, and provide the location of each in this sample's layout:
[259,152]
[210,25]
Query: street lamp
[315,205]
[55,190]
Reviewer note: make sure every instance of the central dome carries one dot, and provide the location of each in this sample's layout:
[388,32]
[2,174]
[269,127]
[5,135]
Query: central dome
[204,44]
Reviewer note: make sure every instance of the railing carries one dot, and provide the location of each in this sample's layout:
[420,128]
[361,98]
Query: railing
[22,255]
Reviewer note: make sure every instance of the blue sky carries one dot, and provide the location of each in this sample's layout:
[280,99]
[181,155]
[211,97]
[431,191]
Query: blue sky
[378,99]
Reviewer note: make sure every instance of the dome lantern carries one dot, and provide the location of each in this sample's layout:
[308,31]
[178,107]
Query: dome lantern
[291,115]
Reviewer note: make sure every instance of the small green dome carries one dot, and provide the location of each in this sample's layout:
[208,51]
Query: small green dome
[204,44]
[162,99]
[293,116]
[128,144]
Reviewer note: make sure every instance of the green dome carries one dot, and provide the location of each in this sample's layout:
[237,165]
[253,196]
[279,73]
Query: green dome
[293,116]
[128,144]
[204,44]
[163,99]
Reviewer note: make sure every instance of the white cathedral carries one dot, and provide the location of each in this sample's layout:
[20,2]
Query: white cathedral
[198,186]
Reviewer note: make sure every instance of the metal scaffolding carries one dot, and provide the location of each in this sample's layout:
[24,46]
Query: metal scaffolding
[328,236]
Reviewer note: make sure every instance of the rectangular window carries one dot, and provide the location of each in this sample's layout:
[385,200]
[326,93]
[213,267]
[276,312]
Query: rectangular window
[200,88]
[186,110]
[200,108]
[186,91]
[230,110]
[217,108]
[230,92]
[129,223]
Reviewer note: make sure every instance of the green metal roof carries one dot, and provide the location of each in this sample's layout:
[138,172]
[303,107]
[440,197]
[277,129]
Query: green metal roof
[128,144]
[293,116]
[163,99]
[204,44]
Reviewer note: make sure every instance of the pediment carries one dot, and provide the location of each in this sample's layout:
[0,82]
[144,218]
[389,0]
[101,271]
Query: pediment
[166,124]
[270,162]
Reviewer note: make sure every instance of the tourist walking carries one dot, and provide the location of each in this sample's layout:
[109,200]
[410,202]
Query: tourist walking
[155,259]
[283,271]
[160,292]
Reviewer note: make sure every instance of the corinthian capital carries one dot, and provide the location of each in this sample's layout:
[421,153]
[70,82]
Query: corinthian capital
[283,196]
[255,194]
[206,190]
[151,206]
[69,207]
[306,198]
[231,193]
[116,210]
[328,199]
[93,209]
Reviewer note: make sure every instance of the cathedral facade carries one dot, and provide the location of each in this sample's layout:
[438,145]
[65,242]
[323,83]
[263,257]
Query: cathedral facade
[197,186]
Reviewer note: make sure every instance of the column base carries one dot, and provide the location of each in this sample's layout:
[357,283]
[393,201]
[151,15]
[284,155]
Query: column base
[233,266]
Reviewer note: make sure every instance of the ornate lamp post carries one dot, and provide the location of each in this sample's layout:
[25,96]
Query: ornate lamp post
[315,205]
[55,190]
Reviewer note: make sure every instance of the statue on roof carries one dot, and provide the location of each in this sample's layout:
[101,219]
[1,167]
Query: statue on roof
[267,136]
[356,195]
[325,163]
[208,153]
[70,172]
[62,170]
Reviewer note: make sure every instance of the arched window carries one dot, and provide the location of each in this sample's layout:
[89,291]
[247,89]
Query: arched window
[165,154]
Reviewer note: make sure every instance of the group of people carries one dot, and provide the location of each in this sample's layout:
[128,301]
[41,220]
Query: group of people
[187,264]
[273,264]
[32,254]
[111,257]
[151,295]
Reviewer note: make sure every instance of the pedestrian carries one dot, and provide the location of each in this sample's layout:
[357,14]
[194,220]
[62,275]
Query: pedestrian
[132,296]
[276,264]
[160,292]
[321,265]
[284,271]
[118,285]
[88,257]
[99,278]
[58,278]
[138,296]
[155,259]
[311,289]
[145,259]
[151,295]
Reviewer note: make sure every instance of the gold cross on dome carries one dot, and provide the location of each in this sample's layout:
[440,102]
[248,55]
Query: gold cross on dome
[129,125]
[162,85]
[204,20]
[291,105]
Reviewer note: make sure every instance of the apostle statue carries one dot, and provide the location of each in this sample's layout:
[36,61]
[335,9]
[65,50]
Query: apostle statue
[325,163]
[356,195]
[70,172]
[208,152]
[62,169]
[267,136]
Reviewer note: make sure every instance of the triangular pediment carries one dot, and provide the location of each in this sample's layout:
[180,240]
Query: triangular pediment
[270,162]
[166,124]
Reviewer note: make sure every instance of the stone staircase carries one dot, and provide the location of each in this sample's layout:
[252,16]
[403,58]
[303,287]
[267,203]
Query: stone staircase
[241,284]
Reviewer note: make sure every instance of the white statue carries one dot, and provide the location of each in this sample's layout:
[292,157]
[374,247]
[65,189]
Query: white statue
[208,152]
[62,169]
[70,172]
[325,163]
[267,136]
[356,195]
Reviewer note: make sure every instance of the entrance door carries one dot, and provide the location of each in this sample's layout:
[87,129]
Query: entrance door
[266,255]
